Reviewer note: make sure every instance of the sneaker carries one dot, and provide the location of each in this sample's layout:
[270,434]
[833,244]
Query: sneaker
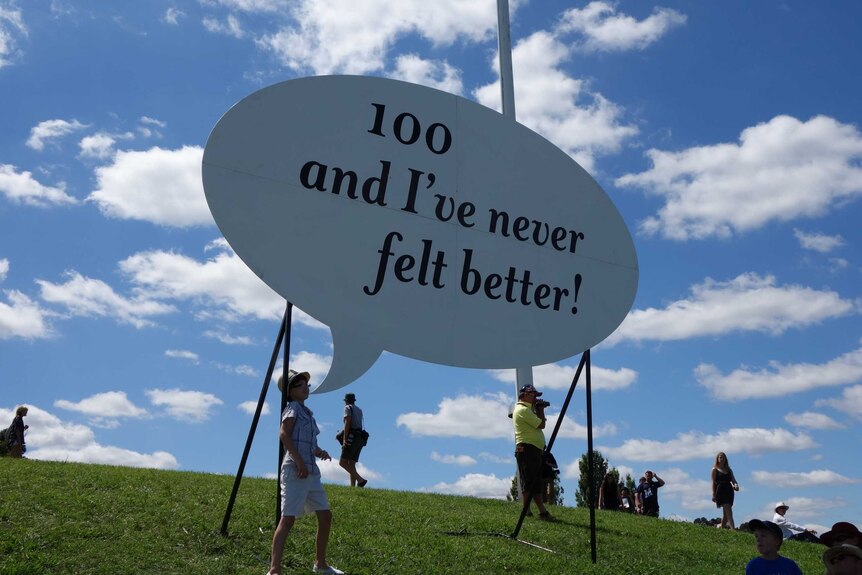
[330,570]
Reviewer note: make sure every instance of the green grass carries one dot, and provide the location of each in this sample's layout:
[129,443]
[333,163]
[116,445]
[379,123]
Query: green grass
[58,518]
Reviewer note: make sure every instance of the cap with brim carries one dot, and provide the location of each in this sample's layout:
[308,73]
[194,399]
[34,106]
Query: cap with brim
[756,524]
[781,504]
[529,389]
[840,528]
[840,550]
[349,397]
[292,377]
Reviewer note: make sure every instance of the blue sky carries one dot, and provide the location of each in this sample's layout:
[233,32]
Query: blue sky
[727,134]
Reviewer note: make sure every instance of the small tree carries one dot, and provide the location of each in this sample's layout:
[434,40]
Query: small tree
[630,483]
[600,467]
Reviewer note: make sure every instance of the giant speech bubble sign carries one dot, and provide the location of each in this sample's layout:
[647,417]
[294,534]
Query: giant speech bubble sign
[418,222]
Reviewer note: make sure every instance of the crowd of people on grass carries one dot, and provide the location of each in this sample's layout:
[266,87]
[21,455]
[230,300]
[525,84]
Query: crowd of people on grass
[302,491]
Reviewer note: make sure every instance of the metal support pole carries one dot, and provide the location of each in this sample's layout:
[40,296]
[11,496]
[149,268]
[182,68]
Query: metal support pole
[254,421]
[504,46]
[590,470]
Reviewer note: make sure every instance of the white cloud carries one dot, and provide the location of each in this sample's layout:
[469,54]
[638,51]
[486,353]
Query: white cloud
[49,438]
[479,417]
[149,127]
[251,406]
[159,186]
[693,494]
[11,27]
[327,39]
[462,460]
[557,106]
[494,458]
[98,146]
[781,170]
[780,379]
[105,409]
[698,445]
[331,472]
[22,188]
[195,406]
[183,354]
[172,16]
[51,130]
[244,370]
[22,318]
[474,485]
[230,27]
[4,269]
[850,401]
[818,242]
[87,297]
[794,480]
[556,376]
[603,29]
[228,339]
[749,302]
[485,417]
[222,286]
[251,5]
[223,282]
[436,74]
[812,420]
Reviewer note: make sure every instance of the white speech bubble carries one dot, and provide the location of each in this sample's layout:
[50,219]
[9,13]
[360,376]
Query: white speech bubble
[418,222]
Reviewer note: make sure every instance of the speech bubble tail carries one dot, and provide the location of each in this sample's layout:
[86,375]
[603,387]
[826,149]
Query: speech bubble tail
[351,358]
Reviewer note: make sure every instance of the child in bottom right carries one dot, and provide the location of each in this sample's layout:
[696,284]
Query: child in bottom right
[768,538]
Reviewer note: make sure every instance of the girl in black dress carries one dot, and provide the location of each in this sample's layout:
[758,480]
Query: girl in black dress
[723,486]
[609,495]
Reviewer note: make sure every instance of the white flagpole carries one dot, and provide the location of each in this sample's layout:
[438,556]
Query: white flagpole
[524,375]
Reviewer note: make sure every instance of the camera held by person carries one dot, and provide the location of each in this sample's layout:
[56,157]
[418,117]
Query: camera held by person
[542,404]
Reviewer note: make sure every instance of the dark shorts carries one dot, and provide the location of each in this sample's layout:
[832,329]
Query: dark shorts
[529,459]
[352,446]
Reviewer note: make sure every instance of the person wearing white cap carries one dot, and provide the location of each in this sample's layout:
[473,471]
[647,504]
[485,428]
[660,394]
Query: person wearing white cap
[301,489]
[787,527]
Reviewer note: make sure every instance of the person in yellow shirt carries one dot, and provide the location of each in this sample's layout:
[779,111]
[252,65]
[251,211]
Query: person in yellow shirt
[529,420]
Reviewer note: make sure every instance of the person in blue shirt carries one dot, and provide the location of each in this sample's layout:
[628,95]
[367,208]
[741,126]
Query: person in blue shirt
[768,538]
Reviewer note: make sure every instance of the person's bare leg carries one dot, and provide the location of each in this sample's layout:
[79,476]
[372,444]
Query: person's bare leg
[324,525]
[278,539]
[350,467]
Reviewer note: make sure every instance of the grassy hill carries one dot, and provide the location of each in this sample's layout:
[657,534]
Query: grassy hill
[59,518]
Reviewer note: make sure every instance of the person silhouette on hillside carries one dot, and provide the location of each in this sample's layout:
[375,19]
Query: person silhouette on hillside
[609,494]
[17,445]
[528,418]
[301,489]
[647,494]
[352,441]
[787,528]
[723,486]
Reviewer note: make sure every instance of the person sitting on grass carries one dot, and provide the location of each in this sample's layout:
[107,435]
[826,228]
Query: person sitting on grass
[768,538]
[788,527]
